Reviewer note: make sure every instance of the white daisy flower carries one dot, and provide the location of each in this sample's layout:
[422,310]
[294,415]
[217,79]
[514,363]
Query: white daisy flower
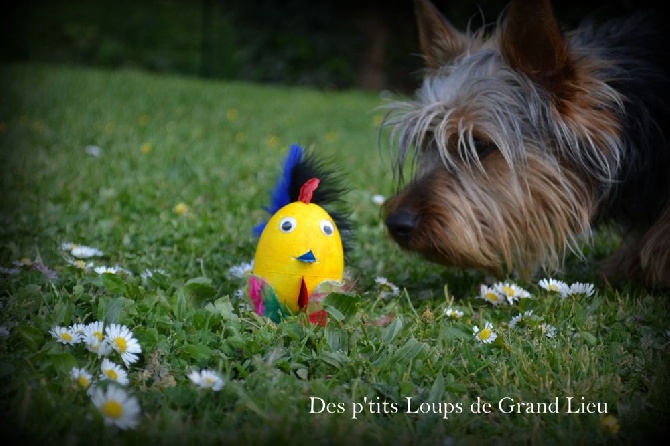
[148,273]
[123,342]
[553,285]
[93,150]
[79,263]
[585,289]
[113,372]
[206,379]
[111,270]
[511,292]
[378,199]
[23,261]
[515,320]
[548,330]
[81,376]
[95,340]
[456,314]
[65,335]
[80,329]
[81,251]
[520,317]
[118,408]
[386,288]
[241,270]
[94,330]
[491,295]
[101,348]
[67,246]
[9,271]
[486,335]
[246,307]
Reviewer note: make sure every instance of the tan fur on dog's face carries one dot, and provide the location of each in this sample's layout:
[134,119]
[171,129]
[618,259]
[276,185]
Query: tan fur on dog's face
[494,218]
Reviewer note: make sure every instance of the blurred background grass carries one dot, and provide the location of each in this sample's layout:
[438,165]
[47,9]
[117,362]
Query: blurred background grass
[337,44]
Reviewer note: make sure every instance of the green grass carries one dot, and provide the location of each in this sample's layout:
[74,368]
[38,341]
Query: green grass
[217,148]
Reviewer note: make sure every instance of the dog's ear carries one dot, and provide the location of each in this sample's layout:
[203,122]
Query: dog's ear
[532,43]
[440,41]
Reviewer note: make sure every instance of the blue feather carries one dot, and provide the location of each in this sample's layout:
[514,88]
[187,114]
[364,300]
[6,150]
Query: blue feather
[281,193]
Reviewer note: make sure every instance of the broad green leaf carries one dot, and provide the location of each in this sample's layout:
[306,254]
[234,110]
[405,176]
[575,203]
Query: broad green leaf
[437,390]
[63,361]
[109,310]
[198,290]
[409,350]
[336,338]
[588,338]
[31,337]
[198,351]
[392,330]
[342,306]
[113,284]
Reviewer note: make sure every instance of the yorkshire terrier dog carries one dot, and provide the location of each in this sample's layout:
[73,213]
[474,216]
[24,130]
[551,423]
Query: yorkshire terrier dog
[524,138]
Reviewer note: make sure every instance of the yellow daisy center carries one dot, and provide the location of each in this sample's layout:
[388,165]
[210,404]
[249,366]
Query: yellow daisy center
[112,409]
[485,334]
[83,381]
[552,287]
[508,290]
[80,264]
[111,374]
[121,344]
[232,114]
[209,380]
[181,208]
[98,334]
[492,296]
[611,424]
[66,336]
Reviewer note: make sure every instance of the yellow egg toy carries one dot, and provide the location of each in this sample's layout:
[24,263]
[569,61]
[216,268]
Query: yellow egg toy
[299,257]
[299,243]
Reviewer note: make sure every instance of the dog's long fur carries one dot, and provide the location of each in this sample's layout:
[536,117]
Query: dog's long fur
[528,137]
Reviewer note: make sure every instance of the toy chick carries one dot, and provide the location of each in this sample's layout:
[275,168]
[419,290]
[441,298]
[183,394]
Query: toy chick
[300,254]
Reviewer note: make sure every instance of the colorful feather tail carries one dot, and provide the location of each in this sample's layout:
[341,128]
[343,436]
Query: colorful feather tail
[281,194]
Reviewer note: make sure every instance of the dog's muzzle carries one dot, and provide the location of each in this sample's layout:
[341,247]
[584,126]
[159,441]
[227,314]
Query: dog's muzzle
[401,224]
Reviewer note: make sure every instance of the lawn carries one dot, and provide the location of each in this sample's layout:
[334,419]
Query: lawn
[166,177]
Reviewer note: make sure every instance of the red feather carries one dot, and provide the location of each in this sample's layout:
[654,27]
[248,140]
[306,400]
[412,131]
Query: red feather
[319,318]
[307,190]
[303,297]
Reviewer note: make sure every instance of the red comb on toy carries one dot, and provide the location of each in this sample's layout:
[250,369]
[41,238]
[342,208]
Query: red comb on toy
[307,190]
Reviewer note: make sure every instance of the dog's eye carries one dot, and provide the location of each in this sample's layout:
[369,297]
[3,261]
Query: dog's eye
[483,147]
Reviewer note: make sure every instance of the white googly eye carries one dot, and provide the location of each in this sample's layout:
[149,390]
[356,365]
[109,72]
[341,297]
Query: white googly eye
[327,227]
[287,224]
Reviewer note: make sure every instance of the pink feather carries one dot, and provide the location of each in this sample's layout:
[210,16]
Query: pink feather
[256,294]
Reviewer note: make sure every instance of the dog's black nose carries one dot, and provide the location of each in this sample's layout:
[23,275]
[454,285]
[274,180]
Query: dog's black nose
[401,224]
